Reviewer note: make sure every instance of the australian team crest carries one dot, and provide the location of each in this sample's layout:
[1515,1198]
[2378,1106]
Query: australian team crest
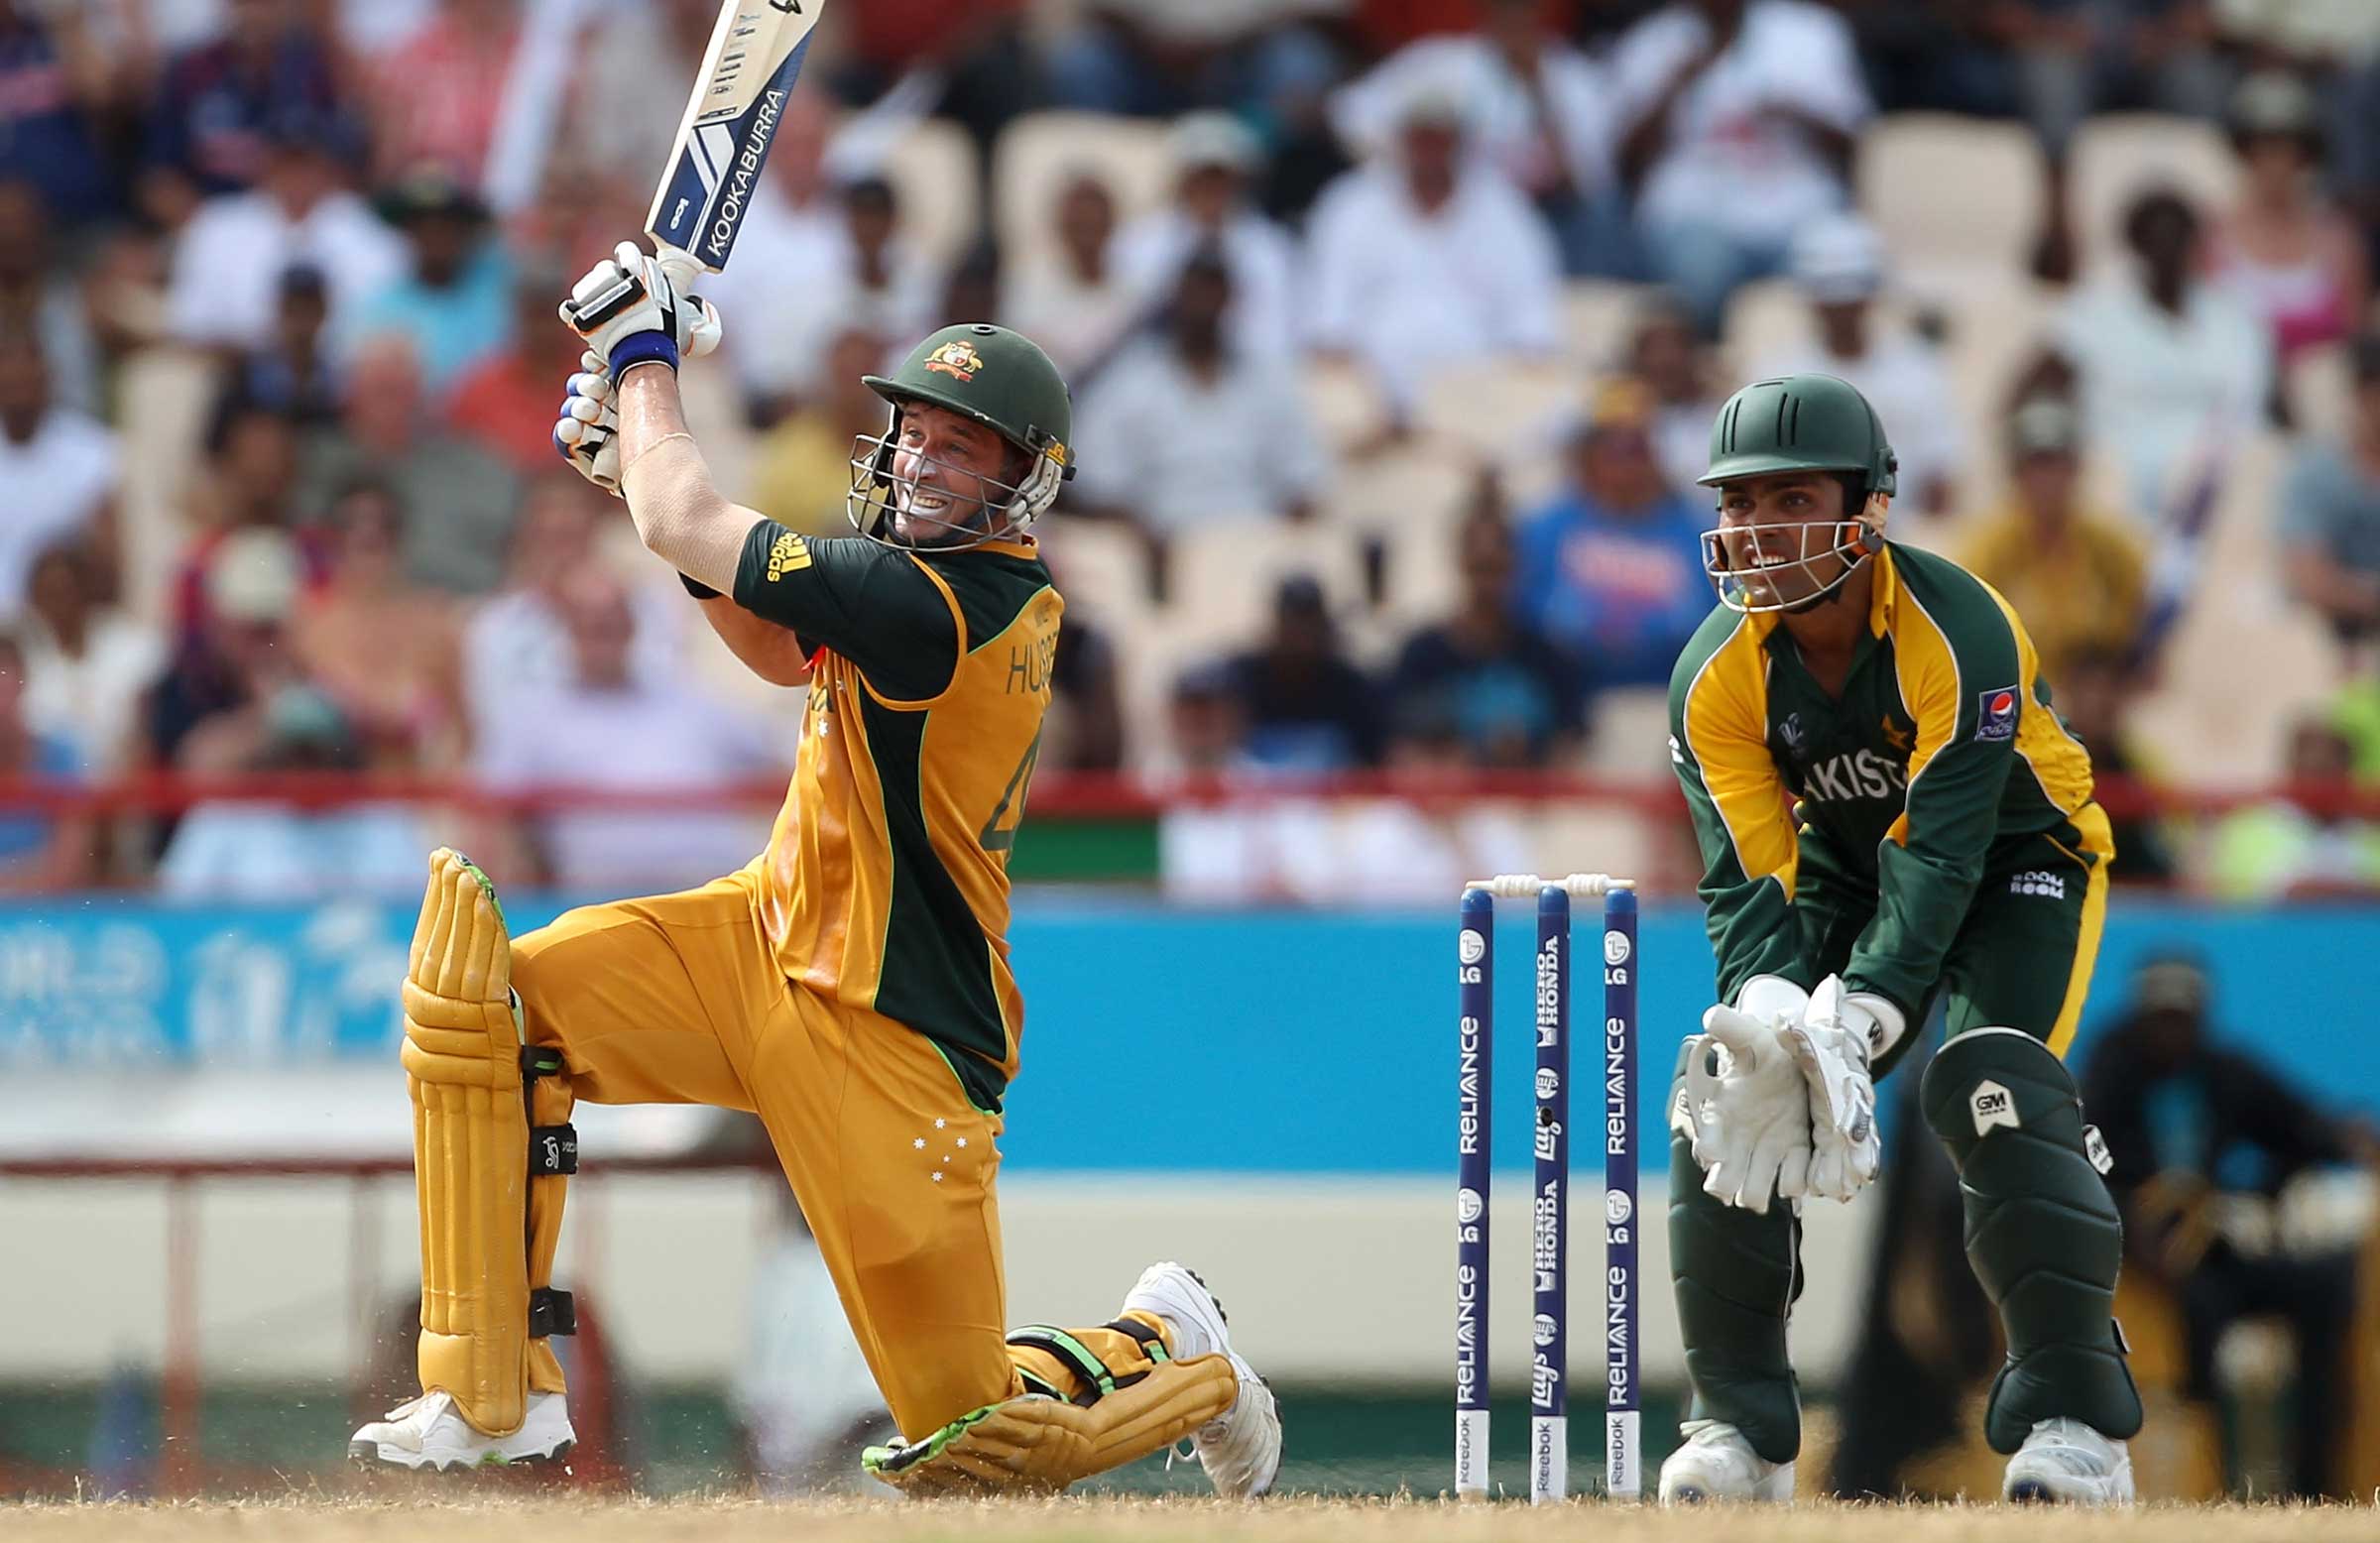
[955,358]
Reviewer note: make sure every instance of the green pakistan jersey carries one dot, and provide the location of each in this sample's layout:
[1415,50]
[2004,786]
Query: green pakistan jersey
[1941,762]
[886,883]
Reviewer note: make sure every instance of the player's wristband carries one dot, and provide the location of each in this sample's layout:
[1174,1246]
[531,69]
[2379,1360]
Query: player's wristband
[642,348]
[698,589]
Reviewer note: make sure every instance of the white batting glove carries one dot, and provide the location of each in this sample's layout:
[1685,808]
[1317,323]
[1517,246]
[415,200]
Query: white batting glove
[629,312]
[1751,1110]
[588,433]
[1831,1045]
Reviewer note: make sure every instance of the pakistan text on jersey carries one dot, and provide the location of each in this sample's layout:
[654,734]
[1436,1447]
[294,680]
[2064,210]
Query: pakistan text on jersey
[1854,774]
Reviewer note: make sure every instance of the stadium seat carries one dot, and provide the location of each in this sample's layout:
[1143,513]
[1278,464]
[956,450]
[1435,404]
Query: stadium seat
[1993,328]
[1951,195]
[1038,151]
[1102,567]
[1499,407]
[931,165]
[1630,733]
[2119,154]
[1598,316]
[1343,399]
[1223,579]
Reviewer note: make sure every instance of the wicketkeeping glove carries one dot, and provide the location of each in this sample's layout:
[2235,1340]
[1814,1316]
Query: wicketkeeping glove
[1750,1110]
[630,310]
[588,433]
[1830,1045]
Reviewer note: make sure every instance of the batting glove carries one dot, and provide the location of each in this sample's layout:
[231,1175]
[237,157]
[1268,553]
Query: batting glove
[588,433]
[1831,1045]
[629,312]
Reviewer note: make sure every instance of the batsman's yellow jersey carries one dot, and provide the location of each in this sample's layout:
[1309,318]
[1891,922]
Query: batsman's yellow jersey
[886,884]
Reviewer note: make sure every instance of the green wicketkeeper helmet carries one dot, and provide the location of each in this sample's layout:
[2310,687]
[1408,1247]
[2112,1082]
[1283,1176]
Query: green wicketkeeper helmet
[1003,381]
[1800,423]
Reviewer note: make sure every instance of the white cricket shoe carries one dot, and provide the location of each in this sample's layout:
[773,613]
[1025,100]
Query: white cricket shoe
[1240,1448]
[430,1432]
[1718,1464]
[2068,1462]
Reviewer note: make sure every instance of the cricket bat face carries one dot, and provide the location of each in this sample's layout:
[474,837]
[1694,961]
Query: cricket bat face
[731,121]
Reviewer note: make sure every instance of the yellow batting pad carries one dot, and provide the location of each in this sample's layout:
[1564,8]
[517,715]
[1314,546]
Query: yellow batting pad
[462,1060]
[1041,1444]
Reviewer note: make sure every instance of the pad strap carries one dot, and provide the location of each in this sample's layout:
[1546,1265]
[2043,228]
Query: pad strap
[551,1312]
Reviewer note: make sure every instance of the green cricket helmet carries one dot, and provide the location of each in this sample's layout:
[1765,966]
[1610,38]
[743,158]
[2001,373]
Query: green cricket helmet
[1799,423]
[1003,381]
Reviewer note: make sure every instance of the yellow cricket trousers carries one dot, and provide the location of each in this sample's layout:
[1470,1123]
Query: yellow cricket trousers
[678,999]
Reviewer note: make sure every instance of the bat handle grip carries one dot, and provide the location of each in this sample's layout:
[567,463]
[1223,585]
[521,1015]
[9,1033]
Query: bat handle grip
[679,265]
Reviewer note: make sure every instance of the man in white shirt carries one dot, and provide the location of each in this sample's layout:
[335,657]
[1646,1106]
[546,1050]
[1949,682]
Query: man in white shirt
[1183,427]
[224,285]
[1213,154]
[1075,301]
[2171,369]
[1738,120]
[790,284]
[1839,263]
[1420,262]
[60,469]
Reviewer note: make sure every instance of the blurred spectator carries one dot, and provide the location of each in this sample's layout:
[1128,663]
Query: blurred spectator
[291,374]
[39,853]
[1935,56]
[2079,580]
[229,259]
[792,225]
[1085,732]
[1308,708]
[2189,1124]
[86,663]
[478,91]
[2330,525]
[208,115]
[971,292]
[62,471]
[1421,262]
[604,727]
[52,109]
[454,304]
[207,711]
[2307,32]
[383,649]
[1839,263]
[1206,724]
[893,282]
[801,468]
[964,59]
[251,484]
[1079,307]
[38,298]
[2352,107]
[1737,121]
[1213,157]
[1165,57]
[504,404]
[633,48]
[1541,114]
[1508,696]
[2093,696]
[2286,247]
[461,498]
[2299,844]
[1184,428]
[514,640]
[2173,370]
[1611,566]
[1664,353]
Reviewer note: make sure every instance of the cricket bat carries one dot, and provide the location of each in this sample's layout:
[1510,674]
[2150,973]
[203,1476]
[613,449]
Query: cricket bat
[723,141]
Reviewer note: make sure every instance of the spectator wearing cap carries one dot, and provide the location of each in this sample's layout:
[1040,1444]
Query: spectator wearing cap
[2285,245]
[1542,116]
[2330,524]
[62,470]
[53,117]
[39,298]
[1611,566]
[235,658]
[1307,706]
[1214,156]
[1738,120]
[455,304]
[1075,302]
[1838,264]
[1421,260]
[2173,370]
[1486,675]
[207,120]
[1184,428]
[227,265]
[459,498]
[2079,578]
[252,482]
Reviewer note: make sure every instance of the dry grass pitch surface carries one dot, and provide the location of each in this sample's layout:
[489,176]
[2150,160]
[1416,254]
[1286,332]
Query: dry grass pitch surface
[1096,1519]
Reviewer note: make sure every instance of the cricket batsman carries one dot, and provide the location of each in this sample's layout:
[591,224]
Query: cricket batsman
[1941,840]
[850,986]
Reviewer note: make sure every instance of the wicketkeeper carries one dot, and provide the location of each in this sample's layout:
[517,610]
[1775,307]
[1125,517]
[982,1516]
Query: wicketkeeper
[850,986]
[1889,812]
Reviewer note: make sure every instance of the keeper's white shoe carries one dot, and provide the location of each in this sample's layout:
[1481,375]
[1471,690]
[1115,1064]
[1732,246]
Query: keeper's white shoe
[1240,1448]
[430,1432]
[2068,1462]
[1716,1463]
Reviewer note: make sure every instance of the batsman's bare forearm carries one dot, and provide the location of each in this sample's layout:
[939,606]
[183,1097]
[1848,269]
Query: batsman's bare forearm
[680,516]
[769,649]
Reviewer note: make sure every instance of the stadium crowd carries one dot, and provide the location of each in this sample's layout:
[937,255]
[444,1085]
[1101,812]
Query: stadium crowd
[1395,328]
